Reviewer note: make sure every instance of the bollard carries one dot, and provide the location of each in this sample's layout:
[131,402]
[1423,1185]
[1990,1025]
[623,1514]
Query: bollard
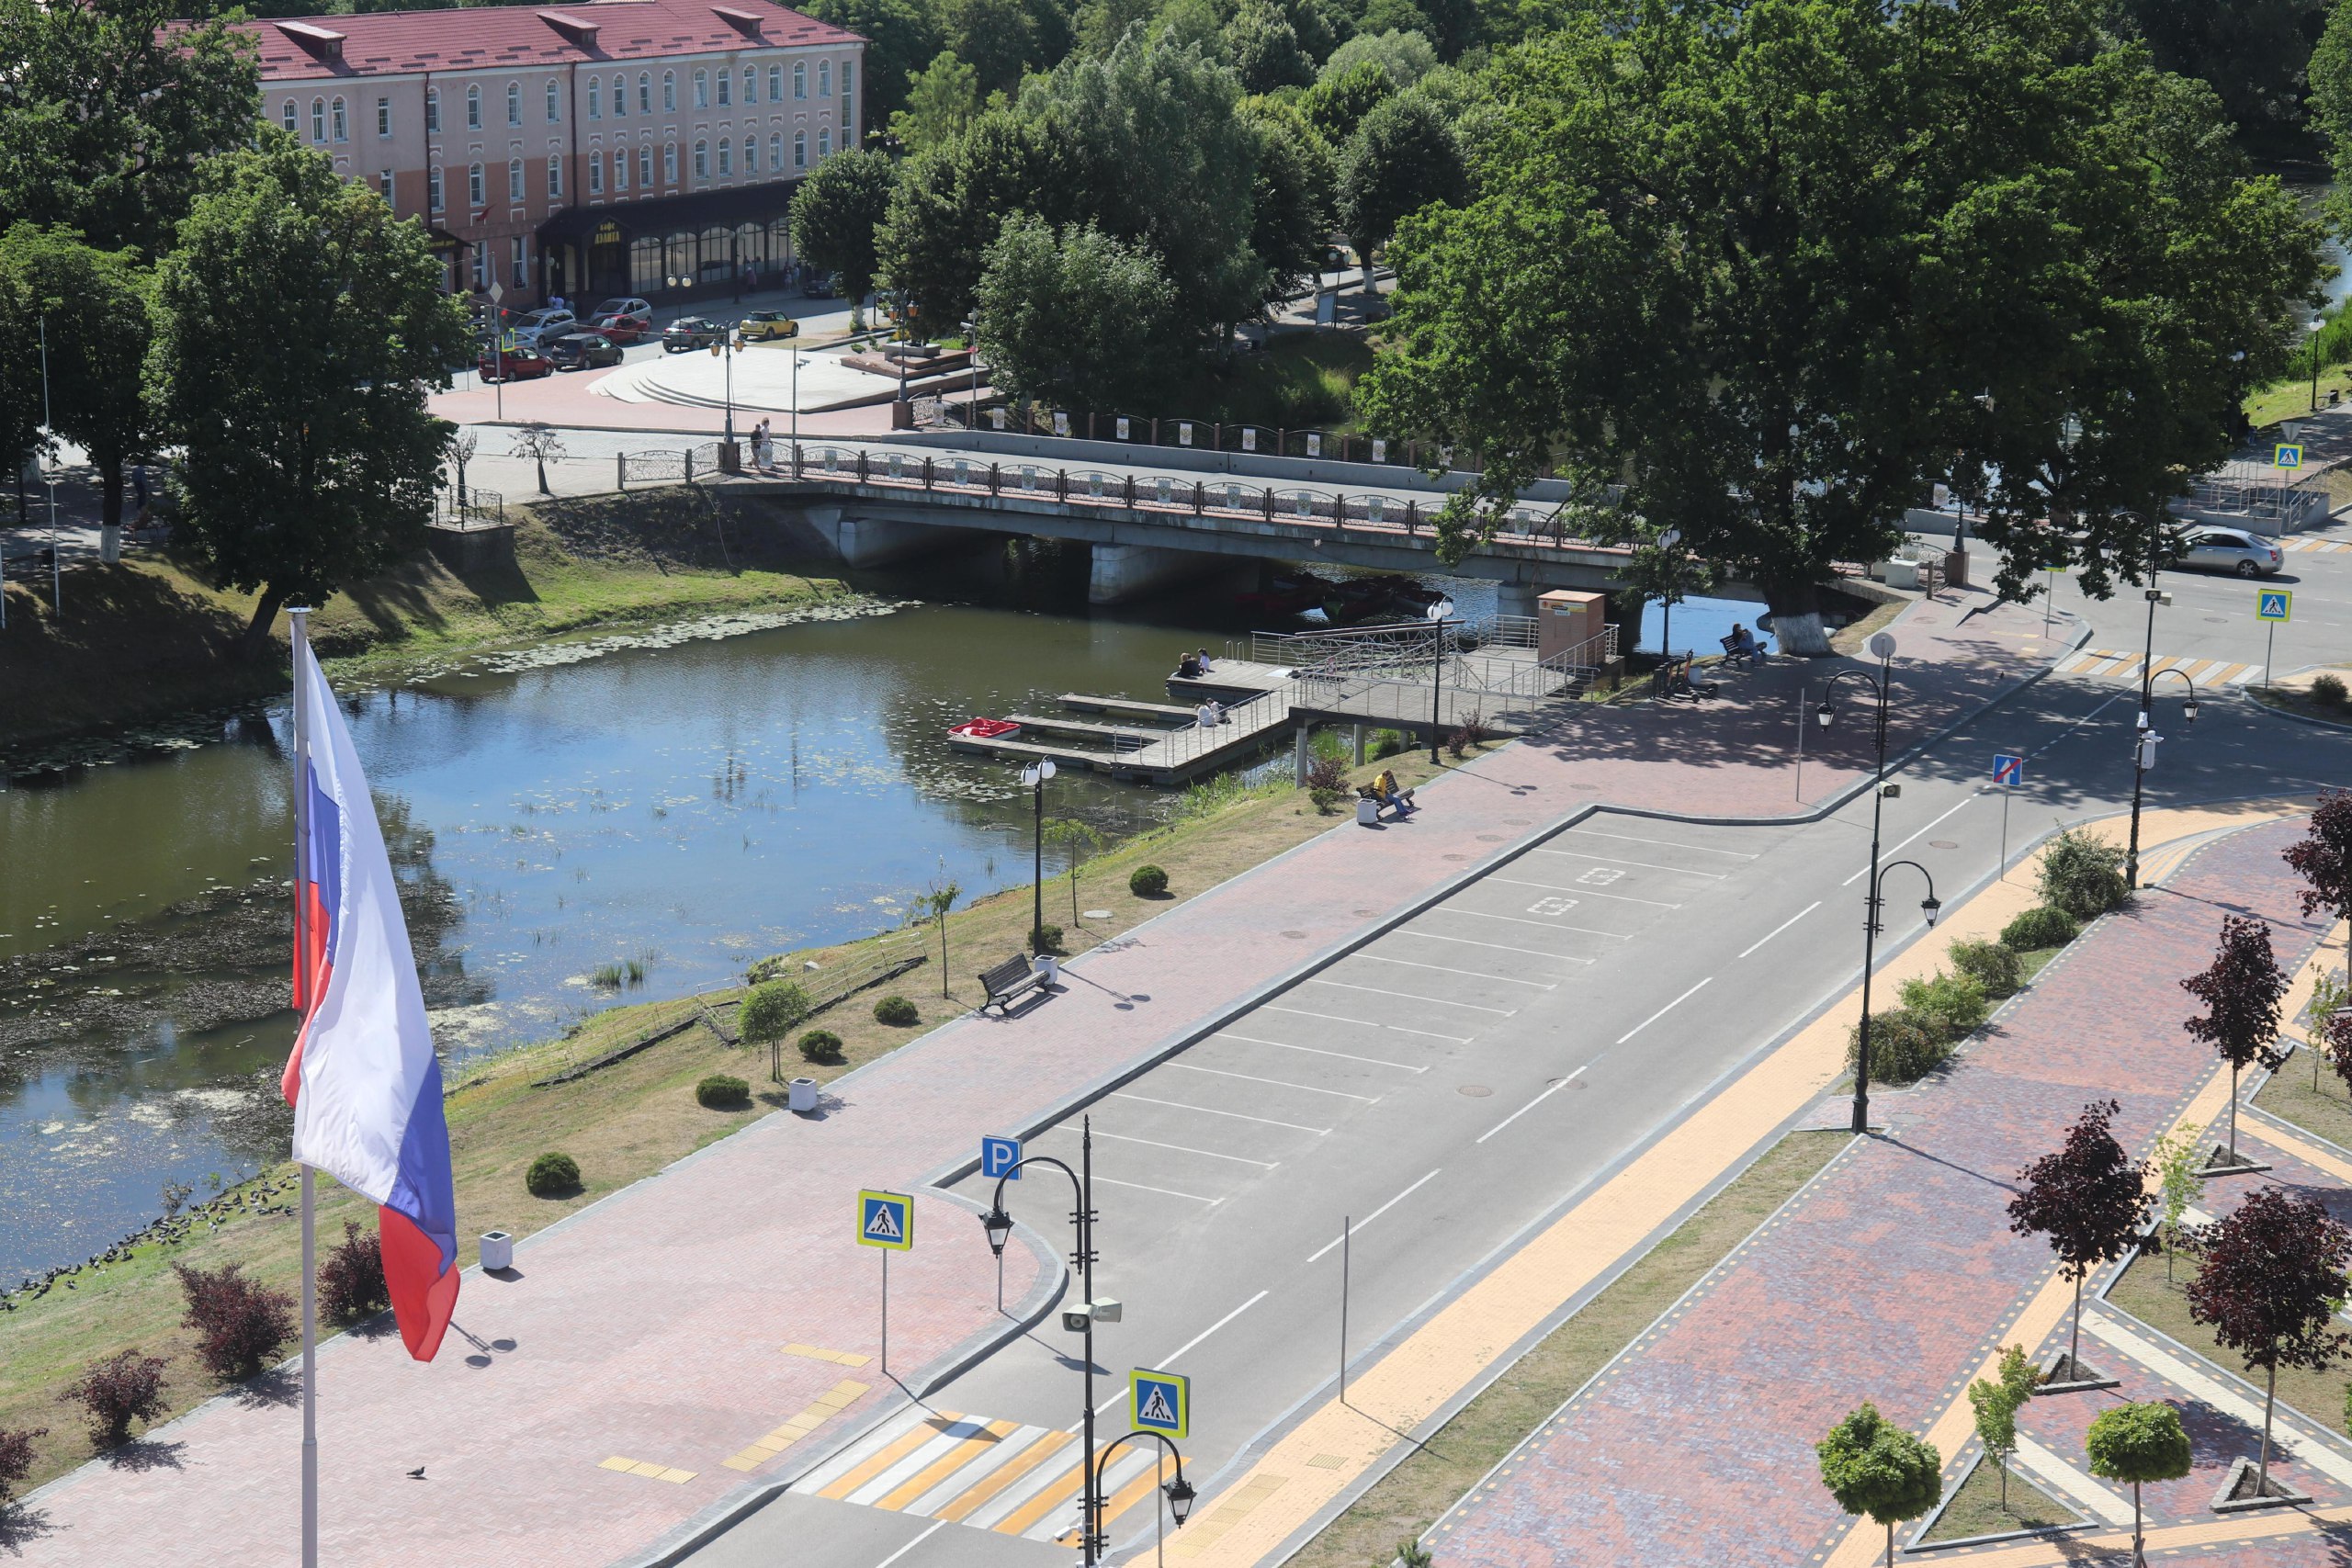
[1299,757]
[690,464]
[620,478]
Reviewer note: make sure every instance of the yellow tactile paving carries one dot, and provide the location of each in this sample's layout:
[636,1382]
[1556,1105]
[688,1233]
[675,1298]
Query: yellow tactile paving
[1287,1488]
[922,1433]
[652,1470]
[829,1404]
[819,1353]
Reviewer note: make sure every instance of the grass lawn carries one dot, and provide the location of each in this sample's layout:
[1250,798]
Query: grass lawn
[622,1122]
[1302,381]
[2291,398]
[1407,1499]
[1977,1508]
[2146,1295]
[2298,699]
[2287,1094]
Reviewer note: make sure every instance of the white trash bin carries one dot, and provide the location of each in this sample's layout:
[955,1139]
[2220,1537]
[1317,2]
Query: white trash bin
[1047,966]
[802,1094]
[497,1251]
[1367,813]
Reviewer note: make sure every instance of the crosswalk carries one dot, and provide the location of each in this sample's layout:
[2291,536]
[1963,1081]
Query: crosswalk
[2103,663]
[967,1470]
[2322,547]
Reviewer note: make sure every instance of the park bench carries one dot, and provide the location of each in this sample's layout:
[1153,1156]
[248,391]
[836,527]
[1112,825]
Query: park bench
[1732,655]
[1007,981]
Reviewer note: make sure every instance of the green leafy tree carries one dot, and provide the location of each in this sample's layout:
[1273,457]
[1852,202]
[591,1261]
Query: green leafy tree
[1292,212]
[1776,267]
[900,35]
[1338,101]
[1101,24]
[2253,53]
[1072,316]
[2138,1443]
[93,304]
[2174,1160]
[1401,159]
[942,101]
[835,214]
[296,324]
[1264,48]
[1875,1468]
[109,107]
[950,199]
[1005,40]
[1406,56]
[1996,1401]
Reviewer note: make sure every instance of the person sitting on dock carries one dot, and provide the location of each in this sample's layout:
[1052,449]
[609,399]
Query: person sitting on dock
[1384,791]
[1203,660]
[1188,667]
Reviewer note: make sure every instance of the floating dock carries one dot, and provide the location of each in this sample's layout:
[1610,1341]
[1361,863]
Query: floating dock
[1146,755]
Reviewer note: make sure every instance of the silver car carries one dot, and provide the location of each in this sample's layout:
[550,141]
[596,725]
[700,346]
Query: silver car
[2228,549]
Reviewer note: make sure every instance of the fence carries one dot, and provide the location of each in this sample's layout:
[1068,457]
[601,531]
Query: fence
[1194,434]
[667,468]
[471,507]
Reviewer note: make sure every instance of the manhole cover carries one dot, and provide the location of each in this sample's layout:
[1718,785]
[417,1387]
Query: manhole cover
[1942,845]
[1475,1090]
[1490,838]
[1295,936]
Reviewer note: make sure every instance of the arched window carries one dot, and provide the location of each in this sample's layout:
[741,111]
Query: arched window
[799,149]
[669,92]
[824,142]
[726,156]
[702,160]
[595,175]
[751,85]
[473,108]
[318,120]
[620,168]
[514,103]
[645,92]
[596,97]
[775,152]
[645,166]
[702,89]
[825,78]
[432,194]
[433,109]
[474,193]
[342,122]
[775,85]
[555,176]
[515,180]
[620,96]
[291,118]
[799,78]
[670,162]
[726,89]
[555,101]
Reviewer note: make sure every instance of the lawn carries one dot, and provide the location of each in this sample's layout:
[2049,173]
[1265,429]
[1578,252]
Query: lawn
[1977,1508]
[1301,381]
[2145,1294]
[2287,1094]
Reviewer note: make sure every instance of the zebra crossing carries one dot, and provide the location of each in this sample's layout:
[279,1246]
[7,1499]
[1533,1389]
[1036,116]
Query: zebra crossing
[968,1470]
[2322,547]
[2103,663]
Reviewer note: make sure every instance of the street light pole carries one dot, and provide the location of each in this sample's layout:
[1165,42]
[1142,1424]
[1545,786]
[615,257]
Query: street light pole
[1883,645]
[2156,596]
[1437,613]
[1178,1492]
[2317,323]
[1931,905]
[1035,776]
[1666,543]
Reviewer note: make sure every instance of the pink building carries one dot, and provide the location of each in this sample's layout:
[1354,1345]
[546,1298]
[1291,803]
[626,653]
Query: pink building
[613,147]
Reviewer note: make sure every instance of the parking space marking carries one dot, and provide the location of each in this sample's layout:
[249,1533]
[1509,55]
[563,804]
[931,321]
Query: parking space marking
[1533,1103]
[1497,946]
[1207,1154]
[1163,1191]
[1213,1111]
[1663,843]
[1277,1083]
[1583,892]
[1524,920]
[1318,1050]
[1465,974]
[1645,865]
[1364,1024]
[1784,925]
[1662,1012]
[1409,996]
[1359,1224]
[1866,870]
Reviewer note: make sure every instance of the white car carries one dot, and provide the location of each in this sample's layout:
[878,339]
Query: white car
[548,325]
[2230,550]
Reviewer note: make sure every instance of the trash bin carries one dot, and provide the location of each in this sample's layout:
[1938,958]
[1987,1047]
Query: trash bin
[1367,813]
[497,1251]
[802,1094]
[1047,965]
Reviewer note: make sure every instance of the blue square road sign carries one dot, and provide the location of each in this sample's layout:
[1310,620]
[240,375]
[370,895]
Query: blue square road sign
[999,1156]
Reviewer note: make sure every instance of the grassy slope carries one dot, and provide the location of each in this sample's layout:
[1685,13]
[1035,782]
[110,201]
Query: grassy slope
[622,1122]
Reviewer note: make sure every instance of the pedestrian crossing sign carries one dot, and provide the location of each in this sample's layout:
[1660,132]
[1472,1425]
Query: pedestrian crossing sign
[2275,604]
[886,1219]
[2287,455]
[1160,1401]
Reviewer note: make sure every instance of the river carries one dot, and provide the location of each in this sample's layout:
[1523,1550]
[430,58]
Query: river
[688,802]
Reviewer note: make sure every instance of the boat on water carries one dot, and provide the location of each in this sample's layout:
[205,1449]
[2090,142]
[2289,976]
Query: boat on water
[983,729]
[1285,593]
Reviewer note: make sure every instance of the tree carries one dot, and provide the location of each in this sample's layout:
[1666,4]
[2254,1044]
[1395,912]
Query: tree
[2252,53]
[2241,992]
[16,1459]
[295,325]
[2174,1158]
[939,901]
[110,107]
[239,1322]
[125,1387]
[2090,1199]
[1291,213]
[1338,101]
[900,36]
[950,199]
[942,101]
[769,1011]
[2272,1280]
[1005,40]
[1077,839]
[835,214]
[2323,857]
[1996,1401]
[1776,267]
[1872,1467]
[94,306]
[538,441]
[2333,1039]
[1264,48]
[1401,159]
[1406,56]
[1072,317]
[2138,1443]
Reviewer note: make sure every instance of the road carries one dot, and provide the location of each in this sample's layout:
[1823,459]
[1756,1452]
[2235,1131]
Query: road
[1448,1087]
[2212,613]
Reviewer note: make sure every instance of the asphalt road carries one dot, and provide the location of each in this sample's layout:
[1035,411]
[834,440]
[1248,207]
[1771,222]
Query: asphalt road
[2211,615]
[1445,1089]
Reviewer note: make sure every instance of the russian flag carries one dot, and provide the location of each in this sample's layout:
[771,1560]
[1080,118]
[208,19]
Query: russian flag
[363,1080]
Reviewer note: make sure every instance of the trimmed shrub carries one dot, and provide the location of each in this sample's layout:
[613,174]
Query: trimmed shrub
[1327,773]
[896,1011]
[1956,1002]
[1045,939]
[2327,691]
[239,1322]
[821,1045]
[1905,1046]
[771,1009]
[765,969]
[719,1092]
[351,1277]
[2082,875]
[2038,927]
[1387,743]
[552,1175]
[16,1459]
[1995,968]
[115,1393]
[1147,882]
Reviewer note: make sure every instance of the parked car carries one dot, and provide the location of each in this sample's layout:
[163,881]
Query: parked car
[582,351]
[2230,550]
[541,325]
[759,325]
[821,288]
[620,329]
[635,311]
[689,333]
[520,363]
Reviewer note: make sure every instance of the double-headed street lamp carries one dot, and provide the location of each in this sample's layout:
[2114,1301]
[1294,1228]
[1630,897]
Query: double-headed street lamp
[1178,1492]
[999,1226]
[2144,741]
[1034,775]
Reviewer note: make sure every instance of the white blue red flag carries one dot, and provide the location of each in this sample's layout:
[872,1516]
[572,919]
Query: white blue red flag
[363,1080]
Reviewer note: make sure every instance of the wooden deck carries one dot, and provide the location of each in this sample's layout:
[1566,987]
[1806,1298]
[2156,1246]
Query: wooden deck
[1087,701]
[1114,733]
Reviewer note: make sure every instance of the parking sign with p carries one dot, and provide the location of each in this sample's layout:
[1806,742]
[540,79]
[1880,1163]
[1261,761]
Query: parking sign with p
[999,1156]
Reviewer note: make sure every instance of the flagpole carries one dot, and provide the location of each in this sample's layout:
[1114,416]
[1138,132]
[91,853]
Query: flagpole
[302,649]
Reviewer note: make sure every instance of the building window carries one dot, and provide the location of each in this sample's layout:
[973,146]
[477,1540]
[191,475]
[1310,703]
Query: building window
[620,97]
[383,117]
[433,109]
[473,108]
[751,85]
[515,180]
[702,89]
[799,149]
[620,168]
[596,97]
[775,85]
[849,68]
[555,176]
[824,141]
[645,92]
[595,175]
[669,92]
[520,248]
[727,157]
[514,103]
[702,160]
[825,78]
[726,89]
[291,118]
[342,124]
[318,120]
[475,195]
[384,184]
[555,102]
[670,163]
[433,197]
[799,78]
[481,267]
[645,166]
[775,152]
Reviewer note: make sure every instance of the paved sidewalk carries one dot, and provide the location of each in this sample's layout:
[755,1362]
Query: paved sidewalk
[653,1327]
[1892,1277]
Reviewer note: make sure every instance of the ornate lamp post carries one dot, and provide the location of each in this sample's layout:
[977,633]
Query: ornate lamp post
[1178,1492]
[1035,776]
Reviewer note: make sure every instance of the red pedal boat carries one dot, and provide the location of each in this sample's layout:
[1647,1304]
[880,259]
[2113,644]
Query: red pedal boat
[985,730]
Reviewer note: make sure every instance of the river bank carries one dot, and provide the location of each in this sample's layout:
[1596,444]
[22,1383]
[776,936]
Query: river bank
[622,1122]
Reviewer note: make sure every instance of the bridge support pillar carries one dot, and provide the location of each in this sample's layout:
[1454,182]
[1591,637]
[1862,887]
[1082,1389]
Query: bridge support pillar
[871,541]
[1356,737]
[1121,573]
[1515,599]
[1301,759]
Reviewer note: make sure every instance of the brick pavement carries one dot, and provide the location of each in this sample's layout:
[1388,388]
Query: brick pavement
[650,1326]
[1891,1278]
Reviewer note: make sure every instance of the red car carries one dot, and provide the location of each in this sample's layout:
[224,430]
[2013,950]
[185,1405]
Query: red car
[618,329]
[515,365]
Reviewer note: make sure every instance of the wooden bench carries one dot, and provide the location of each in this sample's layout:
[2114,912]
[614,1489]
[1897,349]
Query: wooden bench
[1007,981]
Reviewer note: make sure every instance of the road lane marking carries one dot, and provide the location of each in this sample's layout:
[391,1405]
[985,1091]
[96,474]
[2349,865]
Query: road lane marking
[1784,925]
[2077,725]
[1661,1012]
[1180,1148]
[1318,1050]
[1163,1191]
[1533,1103]
[1362,1023]
[1582,892]
[1212,1111]
[1277,1083]
[1181,1351]
[1359,1224]
[1410,995]
[936,1526]
[1497,946]
[1524,920]
[1643,864]
[1465,974]
[1662,843]
[1898,849]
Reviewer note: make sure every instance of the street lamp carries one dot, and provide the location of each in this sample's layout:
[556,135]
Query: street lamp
[1666,543]
[2155,597]
[727,344]
[1178,1492]
[1035,776]
[2317,323]
[998,1224]
[1931,907]
[2144,741]
[972,328]
[1882,684]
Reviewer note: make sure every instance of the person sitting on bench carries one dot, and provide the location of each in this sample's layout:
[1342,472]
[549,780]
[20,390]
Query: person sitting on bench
[1384,791]
[1741,647]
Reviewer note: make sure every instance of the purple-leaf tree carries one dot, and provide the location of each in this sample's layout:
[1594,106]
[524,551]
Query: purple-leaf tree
[2089,1199]
[2324,858]
[2272,1280]
[2241,993]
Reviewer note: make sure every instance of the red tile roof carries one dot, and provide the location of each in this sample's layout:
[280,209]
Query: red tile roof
[388,43]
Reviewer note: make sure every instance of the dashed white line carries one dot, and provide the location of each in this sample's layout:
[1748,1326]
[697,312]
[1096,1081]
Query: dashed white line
[1366,1023]
[1318,1050]
[936,1526]
[1497,946]
[1212,1111]
[1275,1083]
[1359,1224]
[1661,1012]
[1883,854]
[1784,925]
[1533,1103]
[1163,1191]
[1178,1354]
[1465,974]
[1408,996]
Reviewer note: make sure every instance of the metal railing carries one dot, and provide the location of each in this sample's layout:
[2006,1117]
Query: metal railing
[472,507]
